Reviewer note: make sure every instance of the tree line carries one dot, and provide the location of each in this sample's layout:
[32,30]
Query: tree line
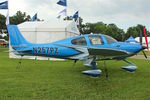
[112,30]
[87,28]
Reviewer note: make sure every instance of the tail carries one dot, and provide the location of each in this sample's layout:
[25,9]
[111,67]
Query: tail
[16,38]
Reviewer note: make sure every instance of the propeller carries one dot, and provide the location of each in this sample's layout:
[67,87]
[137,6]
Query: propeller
[144,54]
[140,39]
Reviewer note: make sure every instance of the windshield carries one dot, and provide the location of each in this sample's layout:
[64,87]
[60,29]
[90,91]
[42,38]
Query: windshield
[110,39]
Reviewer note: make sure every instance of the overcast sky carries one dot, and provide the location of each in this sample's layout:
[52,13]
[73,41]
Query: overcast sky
[124,13]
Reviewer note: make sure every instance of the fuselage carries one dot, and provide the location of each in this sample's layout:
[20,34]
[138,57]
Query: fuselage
[73,48]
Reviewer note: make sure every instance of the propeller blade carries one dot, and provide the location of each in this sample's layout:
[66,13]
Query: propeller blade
[144,54]
[146,38]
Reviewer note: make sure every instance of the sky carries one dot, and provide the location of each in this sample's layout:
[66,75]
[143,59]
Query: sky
[123,13]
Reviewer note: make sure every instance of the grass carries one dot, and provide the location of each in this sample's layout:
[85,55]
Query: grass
[147,53]
[59,80]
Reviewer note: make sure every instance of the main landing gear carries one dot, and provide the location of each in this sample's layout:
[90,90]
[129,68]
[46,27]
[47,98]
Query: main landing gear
[93,72]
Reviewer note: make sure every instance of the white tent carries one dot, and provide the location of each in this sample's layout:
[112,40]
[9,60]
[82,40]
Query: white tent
[46,32]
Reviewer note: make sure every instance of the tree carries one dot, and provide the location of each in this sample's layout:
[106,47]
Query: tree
[19,17]
[6,38]
[135,31]
[2,22]
[101,28]
[81,25]
[68,18]
[88,28]
[115,32]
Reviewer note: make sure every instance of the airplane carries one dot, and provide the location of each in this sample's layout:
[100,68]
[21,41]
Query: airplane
[88,48]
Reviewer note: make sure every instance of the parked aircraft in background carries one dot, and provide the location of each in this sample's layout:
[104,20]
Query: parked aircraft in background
[87,48]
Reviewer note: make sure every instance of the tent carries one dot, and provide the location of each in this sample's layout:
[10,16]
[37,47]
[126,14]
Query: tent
[46,32]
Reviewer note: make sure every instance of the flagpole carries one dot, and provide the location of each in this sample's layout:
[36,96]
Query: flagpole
[79,22]
[66,19]
[66,8]
[8,14]
[8,11]
[10,48]
[64,4]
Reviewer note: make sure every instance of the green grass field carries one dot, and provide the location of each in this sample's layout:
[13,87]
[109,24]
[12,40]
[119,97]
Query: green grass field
[59,80]
[147,53]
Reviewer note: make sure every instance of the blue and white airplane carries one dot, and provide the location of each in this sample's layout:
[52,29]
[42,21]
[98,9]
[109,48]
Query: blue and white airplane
[87,48]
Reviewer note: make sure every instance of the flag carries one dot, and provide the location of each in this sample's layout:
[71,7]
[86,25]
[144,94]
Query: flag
[4,5]
[77,21]
[63,12]
[34,18]
[76,15]
[62,2]
[7,18]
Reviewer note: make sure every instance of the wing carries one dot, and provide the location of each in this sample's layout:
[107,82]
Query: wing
[86,52]
[90,55]
[106,52]
[103,54]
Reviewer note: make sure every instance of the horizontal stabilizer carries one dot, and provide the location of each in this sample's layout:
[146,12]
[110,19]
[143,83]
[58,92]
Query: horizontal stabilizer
[23,50]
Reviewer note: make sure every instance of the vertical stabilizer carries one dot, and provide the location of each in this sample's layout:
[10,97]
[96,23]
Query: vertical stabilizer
[16,38]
